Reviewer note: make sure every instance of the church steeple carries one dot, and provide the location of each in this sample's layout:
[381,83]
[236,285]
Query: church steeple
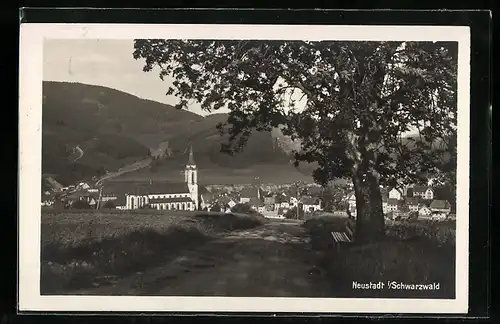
[191,157]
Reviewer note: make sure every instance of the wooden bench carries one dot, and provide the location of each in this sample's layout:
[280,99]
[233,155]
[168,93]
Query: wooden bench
[346,236]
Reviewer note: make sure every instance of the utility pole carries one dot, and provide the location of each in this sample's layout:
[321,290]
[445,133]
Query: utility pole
[99,199]
[297,196]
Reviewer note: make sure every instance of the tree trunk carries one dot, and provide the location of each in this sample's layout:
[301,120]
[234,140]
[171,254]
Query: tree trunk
[370,215]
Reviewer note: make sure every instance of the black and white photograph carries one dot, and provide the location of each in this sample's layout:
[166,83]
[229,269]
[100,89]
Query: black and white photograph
[244,168]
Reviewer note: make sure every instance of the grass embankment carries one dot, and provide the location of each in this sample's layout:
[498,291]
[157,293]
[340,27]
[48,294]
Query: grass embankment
[412,253]
[86,249]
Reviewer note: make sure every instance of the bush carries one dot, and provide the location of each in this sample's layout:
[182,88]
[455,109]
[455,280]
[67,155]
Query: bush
[413,252]
[80,204]
[243,209]
[109,205]
[292,213]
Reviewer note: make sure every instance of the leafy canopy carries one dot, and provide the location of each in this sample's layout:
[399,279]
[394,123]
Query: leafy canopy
[350,104]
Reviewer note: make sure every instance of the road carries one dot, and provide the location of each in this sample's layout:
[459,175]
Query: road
[129,168]
[274,260]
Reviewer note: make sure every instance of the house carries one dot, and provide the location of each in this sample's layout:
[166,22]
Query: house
[282,211]
[424,211]
[83,185]
[293,201]
[423,192]
[351,200]
[231,203]
[440,206]
[250,192]
[269,200]
[256,203]
[384,204]
[281,201]
[413,204]
[47,199]
[310,204]
[168,196]
[393,205]
[395,194]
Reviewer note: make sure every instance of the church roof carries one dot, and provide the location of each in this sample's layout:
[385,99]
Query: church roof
[147,188]
[170,200]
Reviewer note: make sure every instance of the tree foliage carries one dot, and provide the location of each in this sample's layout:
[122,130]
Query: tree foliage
[350,104]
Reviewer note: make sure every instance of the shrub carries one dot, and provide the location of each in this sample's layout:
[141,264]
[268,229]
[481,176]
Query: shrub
[80,204]
[109,205]
[243,209]
[414,252]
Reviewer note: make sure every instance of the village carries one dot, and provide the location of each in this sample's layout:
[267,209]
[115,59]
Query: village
[296,200]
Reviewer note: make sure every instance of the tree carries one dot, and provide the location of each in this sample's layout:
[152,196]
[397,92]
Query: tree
[350,104]
[292,213]
[242,209]
[215,208]
[334,198]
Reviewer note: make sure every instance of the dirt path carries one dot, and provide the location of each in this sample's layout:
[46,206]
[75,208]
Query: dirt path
[274,260]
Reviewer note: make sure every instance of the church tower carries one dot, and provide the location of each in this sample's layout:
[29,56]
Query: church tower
[191,177]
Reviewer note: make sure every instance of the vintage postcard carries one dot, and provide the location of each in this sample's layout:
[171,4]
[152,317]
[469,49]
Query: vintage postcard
[244,168]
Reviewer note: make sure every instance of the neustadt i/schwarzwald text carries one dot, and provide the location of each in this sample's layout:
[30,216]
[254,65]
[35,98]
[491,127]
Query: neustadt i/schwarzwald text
[394,285]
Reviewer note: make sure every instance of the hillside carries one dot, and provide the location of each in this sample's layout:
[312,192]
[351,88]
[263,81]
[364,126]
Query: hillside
[114,128]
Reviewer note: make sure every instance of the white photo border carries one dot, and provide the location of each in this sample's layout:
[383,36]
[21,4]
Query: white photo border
[32,36]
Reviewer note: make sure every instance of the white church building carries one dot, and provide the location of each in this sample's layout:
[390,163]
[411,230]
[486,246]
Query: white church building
[168,195]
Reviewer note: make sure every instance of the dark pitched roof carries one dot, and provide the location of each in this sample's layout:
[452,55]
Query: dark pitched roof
[420,188]
[127,187]
[392,201]
[170,200]
[310,201]
[250,192]
[412,201]
[280,199]
[440,204]
[255,202]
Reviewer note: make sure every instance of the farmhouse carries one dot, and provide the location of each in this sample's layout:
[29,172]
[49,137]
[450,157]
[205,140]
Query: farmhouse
[250,193]
[395,194]
[310,204]
[269,200]
[413,204]
[423,192]
[281,201]
[424,211]
[393,205]
[440,206]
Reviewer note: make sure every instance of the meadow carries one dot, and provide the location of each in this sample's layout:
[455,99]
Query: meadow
[82,249]
[413,253]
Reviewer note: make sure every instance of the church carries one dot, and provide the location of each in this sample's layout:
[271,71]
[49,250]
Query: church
[168,195]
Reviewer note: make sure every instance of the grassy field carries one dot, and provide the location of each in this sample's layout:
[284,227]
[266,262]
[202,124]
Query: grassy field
[85,249]
[413,253]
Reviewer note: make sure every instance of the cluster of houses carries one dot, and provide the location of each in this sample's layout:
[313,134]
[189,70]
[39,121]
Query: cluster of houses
[412,199]
[188,195]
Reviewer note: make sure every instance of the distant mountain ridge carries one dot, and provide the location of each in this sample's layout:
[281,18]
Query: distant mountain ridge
[114,128]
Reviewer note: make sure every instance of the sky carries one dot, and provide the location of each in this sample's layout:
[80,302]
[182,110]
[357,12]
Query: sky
[106,63]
